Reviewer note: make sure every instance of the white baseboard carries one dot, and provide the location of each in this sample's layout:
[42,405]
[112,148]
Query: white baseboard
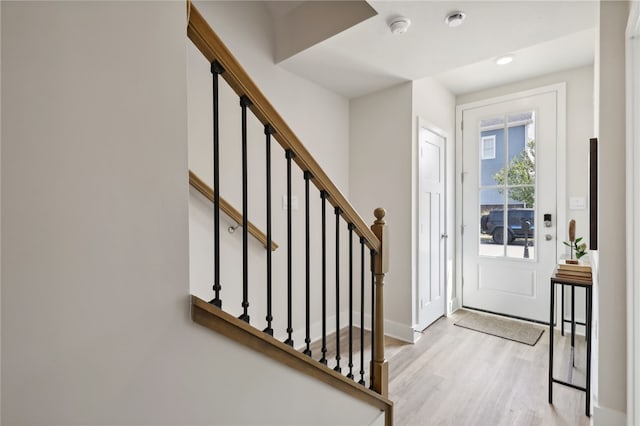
[603,416]
[454,305]
[391,328]
[315,331]
[400,331]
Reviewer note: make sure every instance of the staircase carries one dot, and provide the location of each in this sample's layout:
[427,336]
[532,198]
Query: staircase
[350,287]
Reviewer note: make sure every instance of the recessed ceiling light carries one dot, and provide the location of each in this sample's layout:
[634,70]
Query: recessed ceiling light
[504,60]
[454,19]
[399,25]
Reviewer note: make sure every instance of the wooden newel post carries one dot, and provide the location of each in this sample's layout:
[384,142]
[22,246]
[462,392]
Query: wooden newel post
[379,365]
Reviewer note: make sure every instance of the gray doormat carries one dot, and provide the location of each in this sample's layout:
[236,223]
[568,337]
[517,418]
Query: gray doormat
[507,329]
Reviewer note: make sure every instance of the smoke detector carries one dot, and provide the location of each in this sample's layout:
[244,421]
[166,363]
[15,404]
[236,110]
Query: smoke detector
[399,25]
[454,19]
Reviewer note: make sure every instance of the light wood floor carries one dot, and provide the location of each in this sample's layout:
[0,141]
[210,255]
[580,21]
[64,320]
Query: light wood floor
[455,376]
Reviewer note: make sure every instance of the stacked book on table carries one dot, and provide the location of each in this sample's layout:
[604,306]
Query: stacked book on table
[578,272]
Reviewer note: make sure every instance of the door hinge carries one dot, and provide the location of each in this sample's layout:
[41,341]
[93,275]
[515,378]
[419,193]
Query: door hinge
[461,124]
[462,229]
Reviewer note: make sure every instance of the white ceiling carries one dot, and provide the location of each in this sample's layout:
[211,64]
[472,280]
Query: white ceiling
[546,36]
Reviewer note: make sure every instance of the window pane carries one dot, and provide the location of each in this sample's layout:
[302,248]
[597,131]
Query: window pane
[521,230]
[492,122]
[520,117]
[491,161]
[491,221]
[522,157]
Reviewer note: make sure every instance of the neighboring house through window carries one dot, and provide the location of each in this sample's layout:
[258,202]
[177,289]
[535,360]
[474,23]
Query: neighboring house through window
[489,147]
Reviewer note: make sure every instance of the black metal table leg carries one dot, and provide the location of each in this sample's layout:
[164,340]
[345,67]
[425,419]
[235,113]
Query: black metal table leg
[551,311]
[588,330]
[586,316]
[573,325]
[588,333]
[562,309]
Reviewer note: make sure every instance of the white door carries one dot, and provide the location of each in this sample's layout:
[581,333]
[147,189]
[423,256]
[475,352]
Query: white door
[508,185]
[431,228]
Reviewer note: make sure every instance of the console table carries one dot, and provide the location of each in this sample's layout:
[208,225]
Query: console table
[588,286]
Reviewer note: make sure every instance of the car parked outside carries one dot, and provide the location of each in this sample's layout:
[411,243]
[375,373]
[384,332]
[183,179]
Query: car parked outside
[520,224]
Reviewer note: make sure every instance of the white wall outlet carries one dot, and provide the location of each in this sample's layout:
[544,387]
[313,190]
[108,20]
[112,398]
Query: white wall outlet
[294,202]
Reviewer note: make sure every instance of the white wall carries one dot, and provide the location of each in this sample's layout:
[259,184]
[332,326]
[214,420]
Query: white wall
[436,104]
[384,174]
[381,176]
[0,217]
[611,329]
[95,267]
[319,117]
[633,215]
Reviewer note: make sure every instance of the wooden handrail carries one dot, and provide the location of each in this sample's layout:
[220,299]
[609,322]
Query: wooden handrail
[208,42]
[200,186]
[217,320]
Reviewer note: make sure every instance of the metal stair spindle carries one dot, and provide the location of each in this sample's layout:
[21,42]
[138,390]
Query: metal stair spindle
[289,155]
[323,196]
[268,131]
[307,340]
[361,381]
[351,227]
[337,213]
[244,104]
[216,70]
[373,323]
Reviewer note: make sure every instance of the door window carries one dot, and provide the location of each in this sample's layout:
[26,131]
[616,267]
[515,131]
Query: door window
[507,184]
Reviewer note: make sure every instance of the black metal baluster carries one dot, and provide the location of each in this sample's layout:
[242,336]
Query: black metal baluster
[245,103]
[307,340]
[323,196]
[337,367]
[361,381]
[351,227]
[373,316]
[268,131]
[216,70]
[289,155]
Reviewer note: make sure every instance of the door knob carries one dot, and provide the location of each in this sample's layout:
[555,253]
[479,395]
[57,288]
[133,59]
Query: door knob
[548,237]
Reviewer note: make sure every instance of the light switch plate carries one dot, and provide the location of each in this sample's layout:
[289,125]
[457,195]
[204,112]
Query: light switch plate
[577,203]
[294,202]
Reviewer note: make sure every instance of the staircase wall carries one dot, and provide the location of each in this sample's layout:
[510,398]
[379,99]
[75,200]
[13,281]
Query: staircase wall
[95,267]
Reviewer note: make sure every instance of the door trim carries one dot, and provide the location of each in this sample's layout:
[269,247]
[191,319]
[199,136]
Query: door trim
[560,89]
[633,214]
[426,124]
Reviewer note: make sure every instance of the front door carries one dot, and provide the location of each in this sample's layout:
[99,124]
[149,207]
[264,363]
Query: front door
[431,238]
[508,185]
